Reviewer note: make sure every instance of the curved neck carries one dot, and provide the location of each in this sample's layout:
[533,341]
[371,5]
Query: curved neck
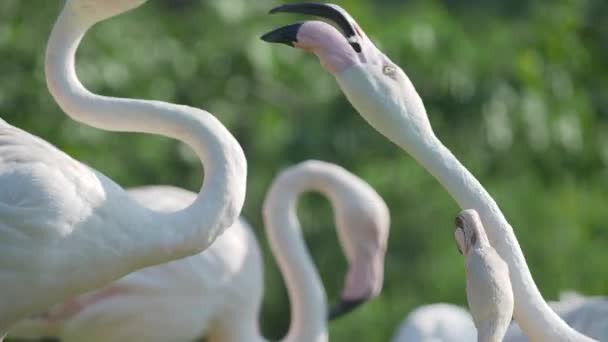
[222,194]
[531,311]
[306,293]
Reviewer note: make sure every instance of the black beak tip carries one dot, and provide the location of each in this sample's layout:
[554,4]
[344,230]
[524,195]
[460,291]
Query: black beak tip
[287,35]
[276,9]
[344,307]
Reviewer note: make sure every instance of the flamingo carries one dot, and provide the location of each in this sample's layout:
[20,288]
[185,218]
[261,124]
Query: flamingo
[382,93]
[178,302]
[489,292]
[439,322]
[451,323]
[489,295]
[589,315]
[65,228]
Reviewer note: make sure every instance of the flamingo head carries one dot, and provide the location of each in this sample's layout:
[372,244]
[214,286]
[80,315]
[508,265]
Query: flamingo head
[488,286]
[378,89]
[363,228]
[93,11]
[469,233]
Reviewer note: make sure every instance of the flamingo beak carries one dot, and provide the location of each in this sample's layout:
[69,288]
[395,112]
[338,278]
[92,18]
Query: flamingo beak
[335,14]
[287,35]
[344,307]
[363,282]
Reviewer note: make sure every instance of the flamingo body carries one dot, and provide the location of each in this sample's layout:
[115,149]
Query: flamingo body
[439,322]
[52,209]
[218,293]
[176,301]
[66,229]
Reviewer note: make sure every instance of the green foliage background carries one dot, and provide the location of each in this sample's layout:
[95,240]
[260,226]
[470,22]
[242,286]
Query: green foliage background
[517,90]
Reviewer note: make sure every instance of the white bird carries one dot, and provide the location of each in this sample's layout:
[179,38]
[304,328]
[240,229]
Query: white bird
[179,302]
[588,315]
[66,229]
[489,292]
[450,323]
[382,93]
[439,322]
[489,295]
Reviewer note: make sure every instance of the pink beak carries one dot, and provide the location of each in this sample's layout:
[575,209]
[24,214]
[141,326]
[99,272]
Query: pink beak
[363,282]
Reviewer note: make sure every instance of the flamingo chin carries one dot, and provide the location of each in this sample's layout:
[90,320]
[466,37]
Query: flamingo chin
[328,44]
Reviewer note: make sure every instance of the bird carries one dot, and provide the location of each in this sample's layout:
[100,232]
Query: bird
[588,315]
[178,302]
[489,295]
[175,301]
[488,287]
[65,228]
[386,98]
[438,322]
[448,322]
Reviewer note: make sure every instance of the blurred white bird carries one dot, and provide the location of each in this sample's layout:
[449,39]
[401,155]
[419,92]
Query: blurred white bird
[450,323]
[179,301]
[588,315]
[66,229]
[440,322]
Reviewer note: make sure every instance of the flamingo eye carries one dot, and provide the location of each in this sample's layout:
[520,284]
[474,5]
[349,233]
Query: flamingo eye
[389,70]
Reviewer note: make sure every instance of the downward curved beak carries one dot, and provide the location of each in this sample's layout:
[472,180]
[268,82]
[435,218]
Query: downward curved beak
[335,14]
[287,35]
[363,282]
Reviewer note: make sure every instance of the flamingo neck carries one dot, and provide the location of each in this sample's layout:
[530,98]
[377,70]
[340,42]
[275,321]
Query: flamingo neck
[408,127]
[221,197]
[531,311]
[306,293]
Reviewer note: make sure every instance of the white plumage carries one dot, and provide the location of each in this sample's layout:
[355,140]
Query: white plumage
[65,228]
[489,291]
[218,293]
[440,322]
[451,323]
[588,315]
[176,301]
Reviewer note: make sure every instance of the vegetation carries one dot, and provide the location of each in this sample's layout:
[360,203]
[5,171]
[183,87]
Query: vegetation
[517,90]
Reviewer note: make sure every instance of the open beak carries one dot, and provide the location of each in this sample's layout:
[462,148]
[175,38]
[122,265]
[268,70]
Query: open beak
[335,14]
